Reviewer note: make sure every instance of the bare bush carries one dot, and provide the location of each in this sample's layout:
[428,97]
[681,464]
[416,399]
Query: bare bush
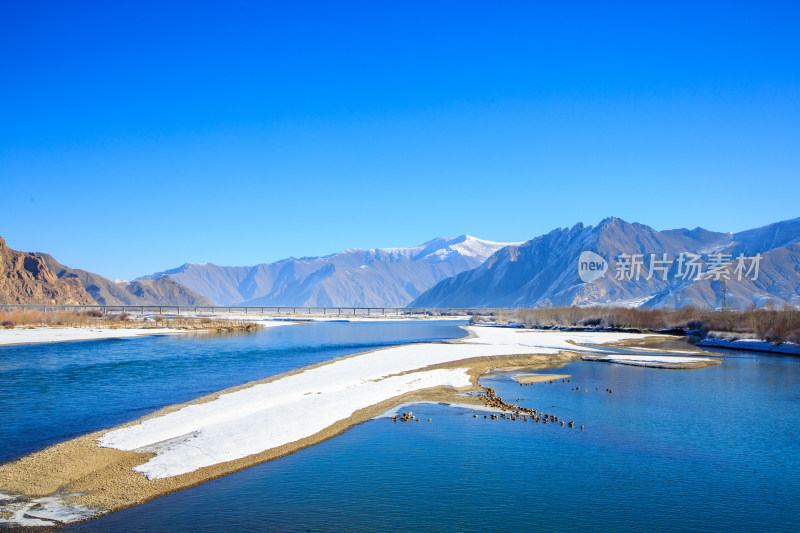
[768,323]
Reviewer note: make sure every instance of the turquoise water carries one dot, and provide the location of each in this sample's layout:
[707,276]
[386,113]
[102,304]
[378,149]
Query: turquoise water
[52,392]
[700,450]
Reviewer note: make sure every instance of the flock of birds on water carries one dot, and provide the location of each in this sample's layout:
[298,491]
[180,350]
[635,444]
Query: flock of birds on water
[509,411]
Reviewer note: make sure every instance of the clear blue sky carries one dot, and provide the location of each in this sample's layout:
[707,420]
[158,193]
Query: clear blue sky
[137,136]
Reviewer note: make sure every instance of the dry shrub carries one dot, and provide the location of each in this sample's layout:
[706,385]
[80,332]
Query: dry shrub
[768,323]
[36,318]
[57,318]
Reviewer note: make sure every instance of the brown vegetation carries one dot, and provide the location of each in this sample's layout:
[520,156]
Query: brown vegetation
[204,323]
[774,325]
[11,319]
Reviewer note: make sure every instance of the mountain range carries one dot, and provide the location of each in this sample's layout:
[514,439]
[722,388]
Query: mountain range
[639,267]
[543,272]
[37,278]
[357,277]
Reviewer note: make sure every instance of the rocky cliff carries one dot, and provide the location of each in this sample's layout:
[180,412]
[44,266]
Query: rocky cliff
[26,279]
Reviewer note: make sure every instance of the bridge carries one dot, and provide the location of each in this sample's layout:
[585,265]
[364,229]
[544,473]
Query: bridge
[406,312]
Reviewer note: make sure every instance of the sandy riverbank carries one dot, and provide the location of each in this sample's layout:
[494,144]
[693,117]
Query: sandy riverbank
[184,445]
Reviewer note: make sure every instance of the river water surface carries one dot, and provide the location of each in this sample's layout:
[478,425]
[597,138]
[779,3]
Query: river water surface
[697,450]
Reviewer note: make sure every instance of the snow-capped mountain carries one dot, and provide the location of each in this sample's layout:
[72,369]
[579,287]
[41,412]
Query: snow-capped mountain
[379,277]
[544,271]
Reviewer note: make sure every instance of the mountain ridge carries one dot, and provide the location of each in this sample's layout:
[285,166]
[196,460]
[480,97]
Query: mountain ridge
[543,272]
[460,272]
[362,277]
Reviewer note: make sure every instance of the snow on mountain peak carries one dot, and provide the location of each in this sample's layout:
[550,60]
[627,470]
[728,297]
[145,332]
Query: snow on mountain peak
[435,250]
[357,276]
[443,249]
[475,247]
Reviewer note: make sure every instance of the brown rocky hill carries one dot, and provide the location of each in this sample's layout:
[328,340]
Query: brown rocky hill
[163,291]
[26,279]
[168,290]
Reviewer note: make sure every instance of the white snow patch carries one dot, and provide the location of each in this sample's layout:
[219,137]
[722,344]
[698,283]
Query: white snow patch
[409,406]
[671,351]
[467,246]
[43,334]
[753,345]
[665,359]
[548,341]
[269,415]
[47,511]
[258,419]
[50,334]
[401,408]
[630,303]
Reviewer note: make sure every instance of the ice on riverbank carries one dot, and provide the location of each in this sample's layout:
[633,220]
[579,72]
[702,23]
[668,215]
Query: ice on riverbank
[752,345]
[655,361]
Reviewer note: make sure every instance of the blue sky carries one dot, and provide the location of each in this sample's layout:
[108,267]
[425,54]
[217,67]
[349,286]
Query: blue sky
[136,137]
